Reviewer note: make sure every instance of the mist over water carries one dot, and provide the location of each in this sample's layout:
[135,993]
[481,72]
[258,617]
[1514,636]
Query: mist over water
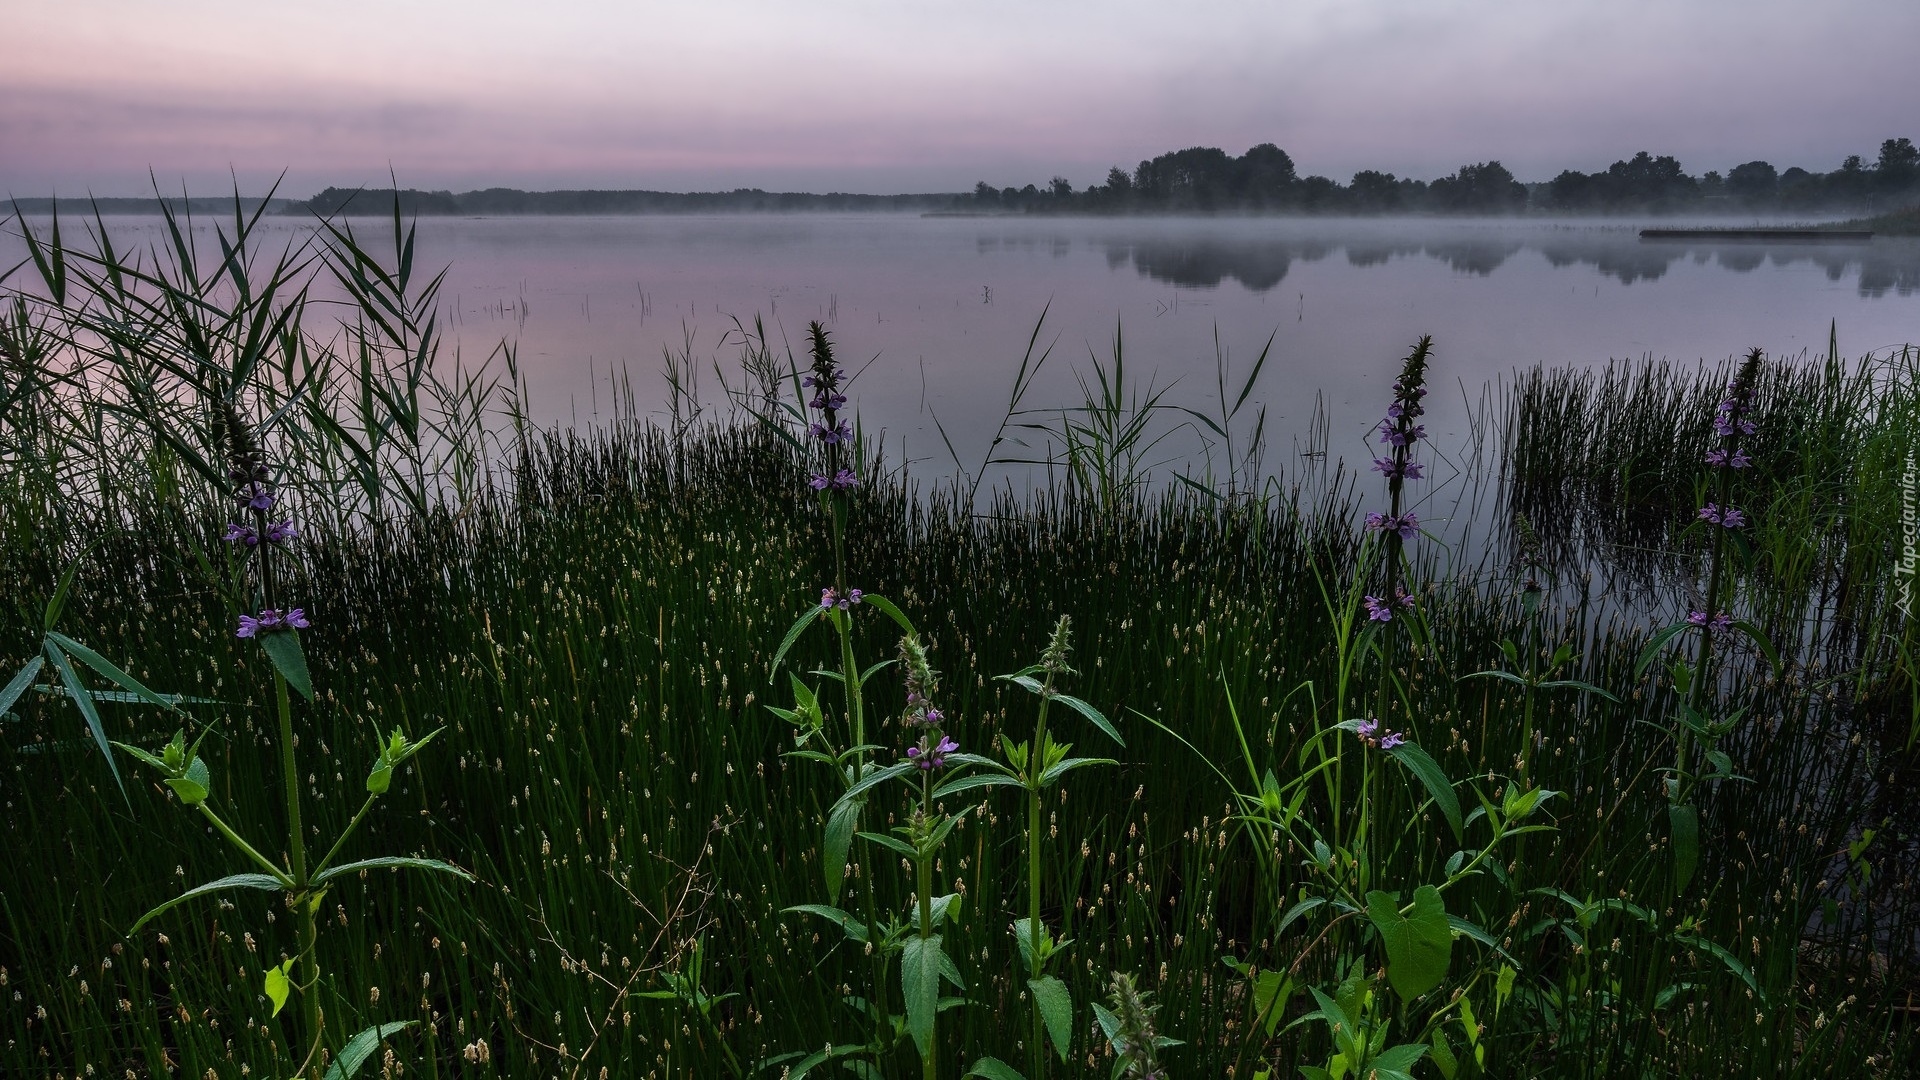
[934,314]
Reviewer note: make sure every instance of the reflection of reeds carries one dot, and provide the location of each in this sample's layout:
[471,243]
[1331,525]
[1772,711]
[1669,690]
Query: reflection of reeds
[592,610]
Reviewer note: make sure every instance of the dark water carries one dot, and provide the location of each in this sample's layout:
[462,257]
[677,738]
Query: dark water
[943,307]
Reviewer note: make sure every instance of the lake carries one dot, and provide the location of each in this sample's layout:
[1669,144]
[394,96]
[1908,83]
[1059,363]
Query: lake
[935,313]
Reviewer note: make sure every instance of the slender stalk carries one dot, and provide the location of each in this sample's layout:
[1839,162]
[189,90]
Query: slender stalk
[929,1061]
[245,848]
[1036,763]
[297,858]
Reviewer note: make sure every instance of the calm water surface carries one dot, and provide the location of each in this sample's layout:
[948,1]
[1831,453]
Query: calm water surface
[943,307]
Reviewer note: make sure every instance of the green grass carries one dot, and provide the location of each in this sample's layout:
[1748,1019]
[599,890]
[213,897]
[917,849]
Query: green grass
[592,614]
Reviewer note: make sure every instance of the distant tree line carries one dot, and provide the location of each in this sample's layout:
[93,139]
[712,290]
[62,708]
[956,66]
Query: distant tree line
[1205,179]
[493,201]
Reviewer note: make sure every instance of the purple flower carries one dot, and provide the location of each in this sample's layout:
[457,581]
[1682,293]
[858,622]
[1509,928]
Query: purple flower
[1366,728]
[254,495]
[1725,426]
[819,482]
[1390,740]
[240,534]
[1390,433]
[934,757]
[1378,610]
[271,619]
[1406,524]
[838,433]
[1719,623]
[844,480]
[828,400]
[831,599]
[280,531]
[1392,469]
[826,381]
[1730,517]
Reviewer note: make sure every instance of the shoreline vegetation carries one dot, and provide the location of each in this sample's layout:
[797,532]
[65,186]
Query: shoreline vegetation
[1205,181]
[716,745]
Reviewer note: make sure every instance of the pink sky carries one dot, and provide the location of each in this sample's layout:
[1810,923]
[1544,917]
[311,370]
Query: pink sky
[919,95]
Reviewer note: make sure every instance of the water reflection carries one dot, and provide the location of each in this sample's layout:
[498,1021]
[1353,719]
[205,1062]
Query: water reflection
[1261,262]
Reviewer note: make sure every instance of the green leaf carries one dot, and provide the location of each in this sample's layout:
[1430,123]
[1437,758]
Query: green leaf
[361,1047]
[848,923]
[920,987]
[19,685]
[283,648]
[1053,775]
[873,778]
[1271,991]
[977,780]
[391,862]
[193,787]
[278,985]
[109,670]
[1296,911]
[992,1068]
[1419,945]
[231,881]
[1582,687]
[1398,1062]
[88,711]
[1492,674]
[1684,820]
[1055,1003]
[1653,647]
[793,634]
[1760,642]
[887,607]
[1443,1056]
[58,601]
[837,842]
[1428,772]
[1084,709]
[893,843]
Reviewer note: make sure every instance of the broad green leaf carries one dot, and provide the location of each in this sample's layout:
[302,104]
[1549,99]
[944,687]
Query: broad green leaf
[892,843]
[1427,771]
[193,787]
[1726,957]
[1419,944]
[361,1047]
[814,1060]
[1582,687]
[873,778]
[278,985]
[1653,647]
[1503,987]
[391,862]
[283,648]
[1760,642]
[992,1068]
[793,634]
[1298,910]
[19,685]
[1053,775]
[1493,674]
[1397,1063]
[848,923]
[977,780]
[109,670]
[1684,821]
[1084,709]
[88,711]
[1271,992]
[231,881]
[1055,1003]
[891,611]
[920,987]
[1443,1058]
[837,842]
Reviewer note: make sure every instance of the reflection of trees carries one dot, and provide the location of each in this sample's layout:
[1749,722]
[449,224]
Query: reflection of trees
[1261,263]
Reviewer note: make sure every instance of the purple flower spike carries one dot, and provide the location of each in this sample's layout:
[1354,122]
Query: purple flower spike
[844,480]
[281,531]
[1366,728]
[254,495]
[297,619]
[1390,740]
[830,599]
[818,482]
[1719,458]
[1378,610]
[1407,524]
[271,619]
[241,534]
[249,626]
[930,758]
[1719,623]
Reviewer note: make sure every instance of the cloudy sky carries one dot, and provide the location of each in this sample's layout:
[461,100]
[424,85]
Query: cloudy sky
[918,95]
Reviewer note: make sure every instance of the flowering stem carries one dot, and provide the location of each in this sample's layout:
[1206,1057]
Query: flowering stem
[297,857]
[929,1061]
[1036,765]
